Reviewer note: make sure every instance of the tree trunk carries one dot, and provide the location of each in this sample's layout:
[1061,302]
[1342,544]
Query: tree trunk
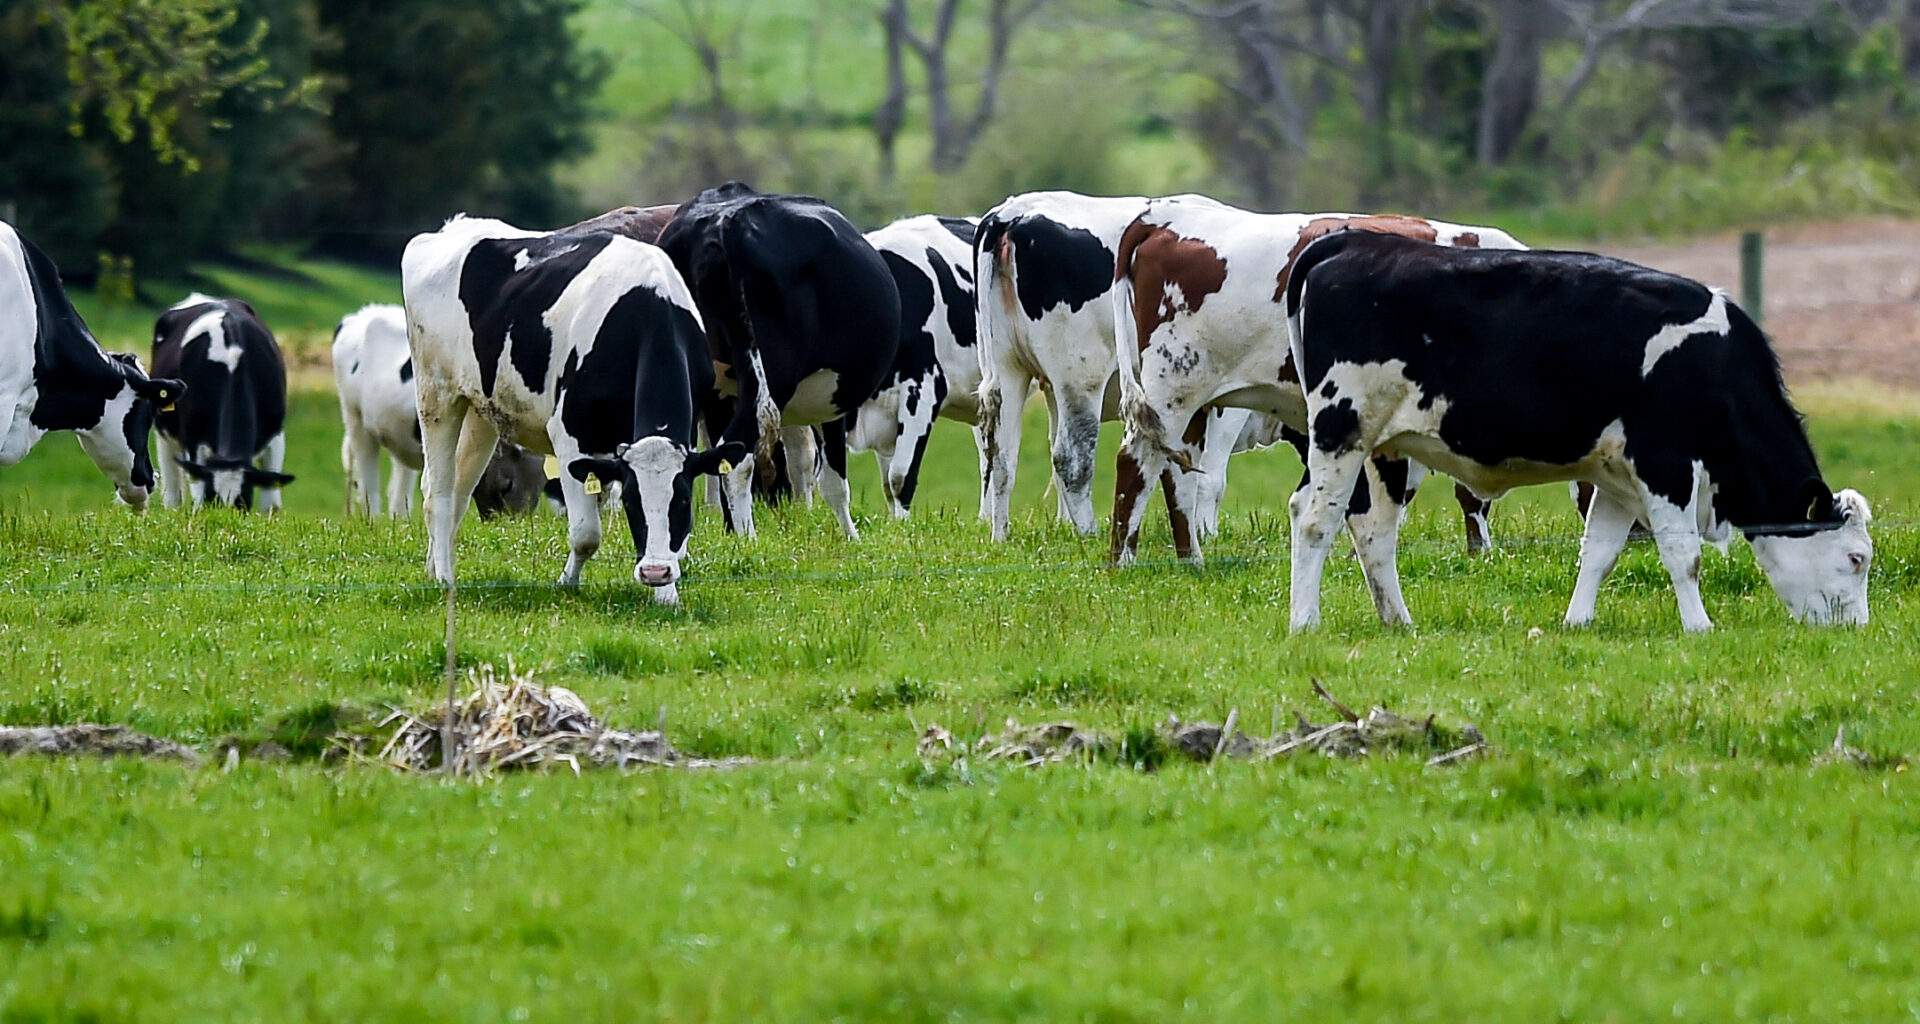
[1380,40]
[892,112]
[1510,89]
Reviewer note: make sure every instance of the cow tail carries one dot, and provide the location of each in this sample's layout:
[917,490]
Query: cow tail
[990,314]
[1142,423]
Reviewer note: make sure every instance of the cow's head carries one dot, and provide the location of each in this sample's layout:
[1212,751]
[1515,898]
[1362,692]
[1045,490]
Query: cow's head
[1820,569]
[118,443]
[229,481]
[656,475]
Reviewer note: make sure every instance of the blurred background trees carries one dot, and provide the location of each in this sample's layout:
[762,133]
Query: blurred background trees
[170,132]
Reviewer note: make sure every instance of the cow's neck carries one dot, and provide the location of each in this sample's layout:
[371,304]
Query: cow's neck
[1765,462]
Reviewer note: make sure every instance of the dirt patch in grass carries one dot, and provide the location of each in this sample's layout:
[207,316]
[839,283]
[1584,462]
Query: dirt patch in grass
[1352,735]
[88,738]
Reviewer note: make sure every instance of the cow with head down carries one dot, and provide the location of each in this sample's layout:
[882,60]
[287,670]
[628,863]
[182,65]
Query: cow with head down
[1505,368]
[583,345]
[1199,304]
[226,440]
[55,376]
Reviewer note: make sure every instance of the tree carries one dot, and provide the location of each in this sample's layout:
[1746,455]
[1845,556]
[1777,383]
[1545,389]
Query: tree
[143,65]
[451,107]
[953,134]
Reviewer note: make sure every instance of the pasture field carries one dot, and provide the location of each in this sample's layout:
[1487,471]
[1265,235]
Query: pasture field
[1649,840]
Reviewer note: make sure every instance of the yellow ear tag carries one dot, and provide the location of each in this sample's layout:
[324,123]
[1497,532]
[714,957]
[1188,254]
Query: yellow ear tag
[593,484]
[167,407]
[551,467]
[725,467]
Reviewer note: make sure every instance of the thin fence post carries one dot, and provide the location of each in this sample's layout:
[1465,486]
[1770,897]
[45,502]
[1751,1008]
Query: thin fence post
[1751,255]
[447,730]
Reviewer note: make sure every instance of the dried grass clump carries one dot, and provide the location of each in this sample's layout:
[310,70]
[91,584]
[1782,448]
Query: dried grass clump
[88,738]
[1840,753]
[521,724]
[1352,736]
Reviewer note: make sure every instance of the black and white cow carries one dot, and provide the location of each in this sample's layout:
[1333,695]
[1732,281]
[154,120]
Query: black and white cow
[226,439]
[936,372]
[586,346]
[55,376]
[1506,368]
[803,320]
[373,369]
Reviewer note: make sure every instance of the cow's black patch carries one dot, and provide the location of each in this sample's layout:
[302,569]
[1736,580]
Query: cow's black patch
[504,303]
[406,370]
[1057,265]
[961,228]
[789,278]
[1337,427]
[639,378]
[72,375]
[916,353]
[958,298]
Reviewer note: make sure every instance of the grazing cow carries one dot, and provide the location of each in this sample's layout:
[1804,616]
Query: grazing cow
[55,376]
[1510,368]
[803,321]
[936,372]
[228,435]
[585,346]
[373,368]
[1199,307]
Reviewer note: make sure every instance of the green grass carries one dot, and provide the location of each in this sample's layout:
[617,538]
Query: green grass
[301,300]
[1650,839]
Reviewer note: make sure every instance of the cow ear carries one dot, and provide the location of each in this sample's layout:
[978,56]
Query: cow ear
[604,470]
[162,392]
[1818,501]
[719,459]
[267,477]
[194,469]
[620,450]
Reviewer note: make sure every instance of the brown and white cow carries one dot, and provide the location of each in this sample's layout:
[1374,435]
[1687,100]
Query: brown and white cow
[1199,298]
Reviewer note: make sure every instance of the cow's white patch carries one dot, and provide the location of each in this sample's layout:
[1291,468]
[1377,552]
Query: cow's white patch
[1668,338]
[657,463]
[213,324]
[812,400]
[1822,577]
[226,485]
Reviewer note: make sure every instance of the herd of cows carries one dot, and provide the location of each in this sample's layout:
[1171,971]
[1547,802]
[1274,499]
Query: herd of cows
[757,338]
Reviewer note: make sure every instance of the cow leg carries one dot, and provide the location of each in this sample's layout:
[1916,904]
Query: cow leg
[980,449]
[1390,484]
[583,509]
[1134,467]
[1608,521]
[402,482]
[271,458]
[919,409]
[833,478]
[803,462]
[1315,510]
[441,429]
[173,479]
[1676,533]
[1186,544]
[736,498]
[1076,435]
[1003,398]
[1202,490]
[1473,514]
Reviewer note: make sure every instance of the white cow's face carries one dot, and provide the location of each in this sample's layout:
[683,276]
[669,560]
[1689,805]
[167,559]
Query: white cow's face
[656,476]
[1822,576]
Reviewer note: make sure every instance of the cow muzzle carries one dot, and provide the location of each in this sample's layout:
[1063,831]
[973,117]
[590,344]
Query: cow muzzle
[656,574]
[134,496]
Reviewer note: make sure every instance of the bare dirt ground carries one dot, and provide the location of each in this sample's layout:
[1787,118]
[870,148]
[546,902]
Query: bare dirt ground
[1841,300]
